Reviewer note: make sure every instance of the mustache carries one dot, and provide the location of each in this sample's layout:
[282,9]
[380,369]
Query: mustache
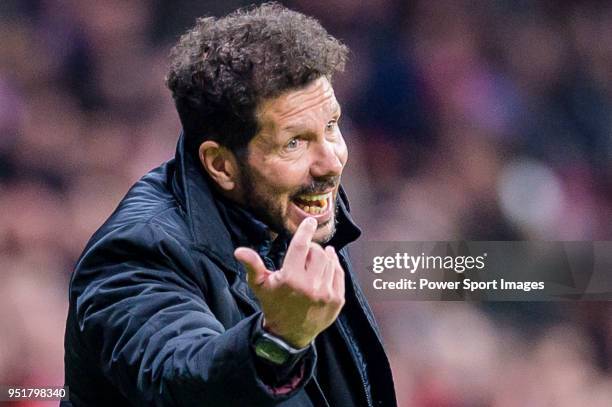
[319,185]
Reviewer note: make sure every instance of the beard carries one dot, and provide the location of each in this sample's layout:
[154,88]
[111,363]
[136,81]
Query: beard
[264,204]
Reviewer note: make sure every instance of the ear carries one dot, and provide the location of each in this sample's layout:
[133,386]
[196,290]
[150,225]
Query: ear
[220,164]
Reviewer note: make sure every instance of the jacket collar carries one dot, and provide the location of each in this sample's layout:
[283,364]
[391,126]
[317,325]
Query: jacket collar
[248,231]
[208,227]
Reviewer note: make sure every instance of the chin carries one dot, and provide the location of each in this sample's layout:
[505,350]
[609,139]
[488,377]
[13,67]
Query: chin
[325,232]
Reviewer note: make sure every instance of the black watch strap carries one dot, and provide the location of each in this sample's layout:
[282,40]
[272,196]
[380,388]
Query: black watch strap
[275,350]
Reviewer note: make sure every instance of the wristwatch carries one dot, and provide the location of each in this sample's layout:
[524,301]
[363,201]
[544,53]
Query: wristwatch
[274,350]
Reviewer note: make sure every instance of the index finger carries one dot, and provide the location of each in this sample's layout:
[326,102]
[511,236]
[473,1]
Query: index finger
[300,244]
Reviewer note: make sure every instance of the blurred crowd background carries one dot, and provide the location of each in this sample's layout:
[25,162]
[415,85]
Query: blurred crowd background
[476,120]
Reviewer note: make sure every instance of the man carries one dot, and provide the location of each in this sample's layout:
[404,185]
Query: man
[222,279]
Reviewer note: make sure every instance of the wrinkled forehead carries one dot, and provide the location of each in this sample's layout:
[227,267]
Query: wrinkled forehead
[315,98]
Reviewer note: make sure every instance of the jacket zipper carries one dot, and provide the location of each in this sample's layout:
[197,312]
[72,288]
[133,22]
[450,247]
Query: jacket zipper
[351,344]
[315,383]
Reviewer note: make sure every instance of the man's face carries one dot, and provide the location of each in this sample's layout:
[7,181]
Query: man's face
[294,163]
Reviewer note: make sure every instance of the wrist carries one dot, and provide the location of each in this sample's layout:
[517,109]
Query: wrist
[276,350]
[294,341]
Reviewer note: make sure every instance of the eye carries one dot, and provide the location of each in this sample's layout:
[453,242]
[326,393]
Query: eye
[331,125]
[293,144]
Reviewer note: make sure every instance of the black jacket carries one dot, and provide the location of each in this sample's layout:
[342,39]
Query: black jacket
[161,314]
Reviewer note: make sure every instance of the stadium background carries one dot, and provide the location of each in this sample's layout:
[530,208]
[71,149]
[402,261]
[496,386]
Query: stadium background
[479,120]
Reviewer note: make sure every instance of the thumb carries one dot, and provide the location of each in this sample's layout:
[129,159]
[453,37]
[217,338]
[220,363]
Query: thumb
[257,271]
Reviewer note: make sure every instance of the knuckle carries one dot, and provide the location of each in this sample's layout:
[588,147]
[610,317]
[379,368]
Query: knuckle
[340,301]
[300,292]
[282,279]
[319,298]
[327,297]
[316,298]
[301,287]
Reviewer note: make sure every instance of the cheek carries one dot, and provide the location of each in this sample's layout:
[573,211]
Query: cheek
[288,175]
[281,179]
[342,151]
[285,181]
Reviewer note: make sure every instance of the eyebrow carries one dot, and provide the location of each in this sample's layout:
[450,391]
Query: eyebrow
[291,127]
[337,109]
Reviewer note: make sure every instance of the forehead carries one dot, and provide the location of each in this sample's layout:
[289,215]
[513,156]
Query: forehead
[315,98]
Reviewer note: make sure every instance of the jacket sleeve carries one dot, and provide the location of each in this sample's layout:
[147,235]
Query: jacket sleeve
[141,313]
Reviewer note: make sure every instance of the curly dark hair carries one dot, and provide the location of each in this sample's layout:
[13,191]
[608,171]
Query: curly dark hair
[223,68]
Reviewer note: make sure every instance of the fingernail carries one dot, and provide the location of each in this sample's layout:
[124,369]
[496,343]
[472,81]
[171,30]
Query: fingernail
[311,221]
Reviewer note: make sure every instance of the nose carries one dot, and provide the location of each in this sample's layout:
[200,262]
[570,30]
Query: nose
[326,162]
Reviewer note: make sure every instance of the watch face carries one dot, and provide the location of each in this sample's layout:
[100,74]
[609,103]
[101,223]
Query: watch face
[268,350]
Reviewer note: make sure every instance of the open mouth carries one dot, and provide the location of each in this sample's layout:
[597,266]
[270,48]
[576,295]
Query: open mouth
[313,204]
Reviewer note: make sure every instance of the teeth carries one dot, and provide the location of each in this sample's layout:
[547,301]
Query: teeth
[319,197]
[315,210]
[318,204]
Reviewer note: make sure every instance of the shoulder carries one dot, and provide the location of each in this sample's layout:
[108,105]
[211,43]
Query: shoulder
[148,230]
[148,212]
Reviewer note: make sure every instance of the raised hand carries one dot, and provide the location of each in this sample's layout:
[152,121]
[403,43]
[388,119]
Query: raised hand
[306,295]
